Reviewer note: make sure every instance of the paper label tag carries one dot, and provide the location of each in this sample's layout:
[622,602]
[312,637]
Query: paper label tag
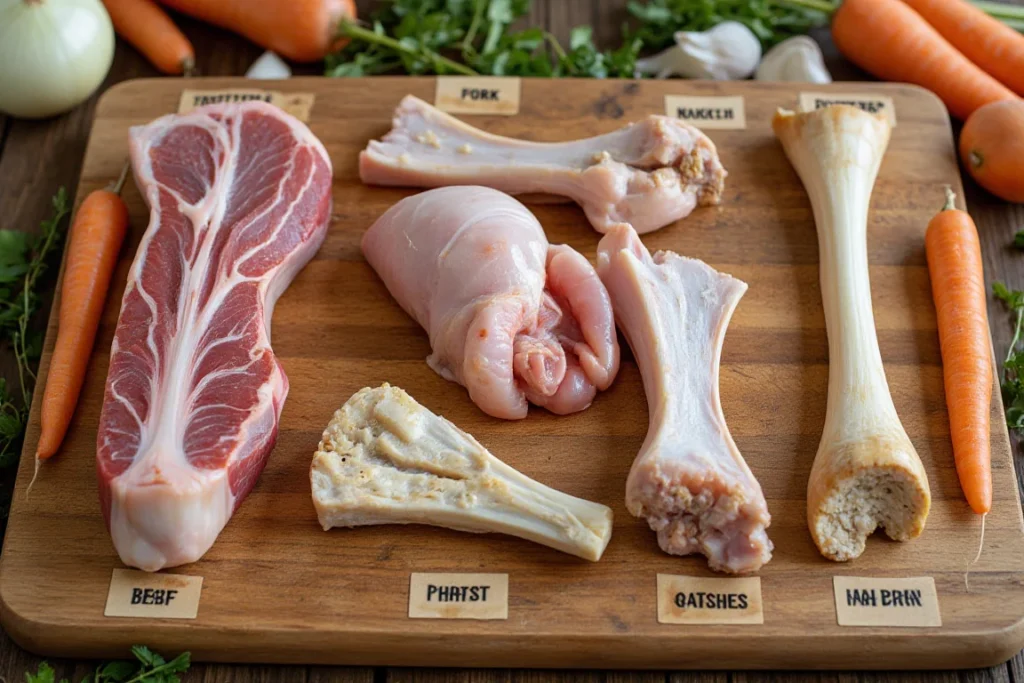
[458,596]
[702,600]
[298,104]
[478,95]
[161,596]
[873,104]
[707,112]
[886,602]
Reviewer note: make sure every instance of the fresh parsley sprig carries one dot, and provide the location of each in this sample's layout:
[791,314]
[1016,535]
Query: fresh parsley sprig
[24,260]
[772,21]
[1013,365]
[148,667]
[471,37]
[474,37]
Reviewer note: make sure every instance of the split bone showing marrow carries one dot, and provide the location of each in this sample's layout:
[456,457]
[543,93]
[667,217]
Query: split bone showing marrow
[689,480]
[650,173]
[866,473]
[385,459]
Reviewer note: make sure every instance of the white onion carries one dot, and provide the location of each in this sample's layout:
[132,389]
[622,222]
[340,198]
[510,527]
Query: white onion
[53,54]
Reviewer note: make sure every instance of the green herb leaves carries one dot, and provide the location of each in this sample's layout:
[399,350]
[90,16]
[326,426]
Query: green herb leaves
[148,667]
[1013,366]
[772,21]
[23,261]
[473,36]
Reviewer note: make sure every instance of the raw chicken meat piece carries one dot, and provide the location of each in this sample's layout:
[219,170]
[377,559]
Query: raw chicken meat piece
[689,480]
[240,199]
[510,318]
[385,459]
[650,173]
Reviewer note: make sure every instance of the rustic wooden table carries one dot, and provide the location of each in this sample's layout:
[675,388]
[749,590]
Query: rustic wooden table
[38,157]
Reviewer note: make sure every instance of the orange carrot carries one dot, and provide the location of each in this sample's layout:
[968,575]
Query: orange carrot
[302,30]
[148,28]
[986,41]
[893,42]
[958,287]
[96,236]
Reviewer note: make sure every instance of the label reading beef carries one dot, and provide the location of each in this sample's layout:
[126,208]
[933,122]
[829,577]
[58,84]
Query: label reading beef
[707,112]
[458,596]
[143,594]
[702,600]
[298,104]
[873,104]
[478,95]
[886,602]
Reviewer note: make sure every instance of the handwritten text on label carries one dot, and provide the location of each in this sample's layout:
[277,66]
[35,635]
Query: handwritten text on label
[478,95]
[297,104]
[886,601]
[701,600]
[707,112]
[142,594]
[873,104]
[458,596]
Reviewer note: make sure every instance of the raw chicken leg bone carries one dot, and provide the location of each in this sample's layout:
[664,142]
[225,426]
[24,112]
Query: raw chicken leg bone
[510,317]
[650,173]
[689,480]
[385,459]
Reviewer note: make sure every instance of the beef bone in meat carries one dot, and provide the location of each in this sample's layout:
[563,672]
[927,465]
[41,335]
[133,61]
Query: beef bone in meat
[240,199]
[649,173]
[689,480]
[510,317]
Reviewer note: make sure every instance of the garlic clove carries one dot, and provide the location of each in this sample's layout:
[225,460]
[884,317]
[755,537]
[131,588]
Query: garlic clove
[795,60]
[725,52]
[269,67]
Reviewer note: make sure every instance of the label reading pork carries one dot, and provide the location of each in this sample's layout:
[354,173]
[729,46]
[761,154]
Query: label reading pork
[873,104]
[886,602]
[723,113]
[458,596]
[702,600]
[298,104]
[478,95]
[145,594]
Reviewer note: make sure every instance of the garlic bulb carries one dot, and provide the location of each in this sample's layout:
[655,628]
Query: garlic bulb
[269,67]
[53,54]
[729,51]
[796,60]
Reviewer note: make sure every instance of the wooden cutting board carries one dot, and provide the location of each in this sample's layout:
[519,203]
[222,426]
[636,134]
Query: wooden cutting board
[278,588]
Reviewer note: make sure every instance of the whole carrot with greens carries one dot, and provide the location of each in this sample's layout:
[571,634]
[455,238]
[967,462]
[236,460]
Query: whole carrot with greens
[148,28]
[97,232]
[303,30]
[893,42]
[986,41]
[958,288]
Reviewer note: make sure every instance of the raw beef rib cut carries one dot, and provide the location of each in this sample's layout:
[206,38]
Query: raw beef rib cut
[240,199]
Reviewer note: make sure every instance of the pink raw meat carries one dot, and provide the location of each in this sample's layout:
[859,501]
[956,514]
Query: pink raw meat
[649,173]
[240,199]
[510,317]
[689,480]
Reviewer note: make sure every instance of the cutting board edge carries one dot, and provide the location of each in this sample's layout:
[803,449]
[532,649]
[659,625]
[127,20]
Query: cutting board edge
[945,653]
[890,649]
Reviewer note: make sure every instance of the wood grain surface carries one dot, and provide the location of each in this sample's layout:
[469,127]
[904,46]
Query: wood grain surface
[340,597]
[32,172]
